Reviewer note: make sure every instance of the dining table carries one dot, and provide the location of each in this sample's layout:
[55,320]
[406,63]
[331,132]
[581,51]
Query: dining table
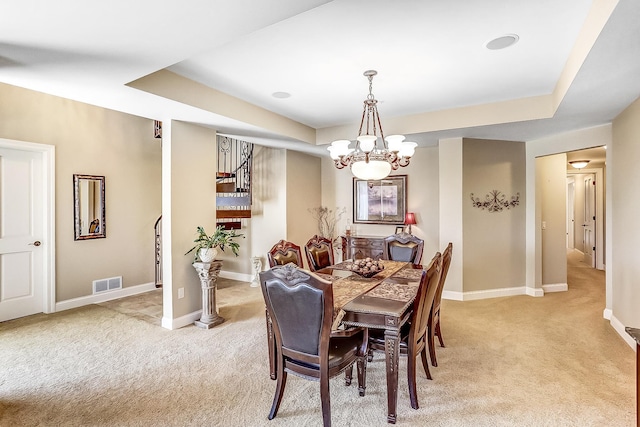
[382,301]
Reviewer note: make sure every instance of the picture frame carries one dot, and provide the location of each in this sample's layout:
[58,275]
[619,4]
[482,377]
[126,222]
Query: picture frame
[399,229]
[380,201]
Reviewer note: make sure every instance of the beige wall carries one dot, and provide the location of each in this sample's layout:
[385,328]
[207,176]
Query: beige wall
[625,196]
[269,204]
[95,141]
[286,184]
[303,193]
[450,200]
[494,244]
[551,183]
[189,187]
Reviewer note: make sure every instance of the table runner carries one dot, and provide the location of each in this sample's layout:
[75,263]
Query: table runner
[347,288]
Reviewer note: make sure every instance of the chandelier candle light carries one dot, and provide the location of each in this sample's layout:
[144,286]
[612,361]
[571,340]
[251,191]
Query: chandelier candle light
[368,160]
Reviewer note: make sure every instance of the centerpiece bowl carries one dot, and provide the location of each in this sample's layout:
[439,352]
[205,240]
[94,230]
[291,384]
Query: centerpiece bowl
[366,267]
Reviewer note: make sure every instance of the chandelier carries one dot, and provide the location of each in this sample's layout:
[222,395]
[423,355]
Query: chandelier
[370,160]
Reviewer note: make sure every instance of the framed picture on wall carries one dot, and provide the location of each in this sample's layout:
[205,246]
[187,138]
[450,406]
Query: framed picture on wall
[380,202]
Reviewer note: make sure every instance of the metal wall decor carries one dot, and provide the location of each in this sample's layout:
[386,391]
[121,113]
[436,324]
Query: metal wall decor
[495,201]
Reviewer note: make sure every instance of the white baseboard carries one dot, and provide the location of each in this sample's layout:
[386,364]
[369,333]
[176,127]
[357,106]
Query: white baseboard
[503,292]
[607,313]
[104,296]
[555,287]
[236,276]
[494,293]
[619,328]
[181,321]
[451,295]
[534,292]
[488,293]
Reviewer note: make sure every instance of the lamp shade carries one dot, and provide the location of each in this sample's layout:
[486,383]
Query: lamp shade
[395,142]
[367,142]
[371,170]
[410,218]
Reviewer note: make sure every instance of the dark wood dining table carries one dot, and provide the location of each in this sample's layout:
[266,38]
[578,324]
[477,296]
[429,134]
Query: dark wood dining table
[384,301]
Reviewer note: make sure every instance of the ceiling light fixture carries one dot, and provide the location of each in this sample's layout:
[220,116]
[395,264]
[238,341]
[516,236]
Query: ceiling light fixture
[281,95]
[367,160]
[579,164]
[502,42]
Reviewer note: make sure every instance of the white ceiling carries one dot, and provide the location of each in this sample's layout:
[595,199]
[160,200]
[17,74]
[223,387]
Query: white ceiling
[429,55]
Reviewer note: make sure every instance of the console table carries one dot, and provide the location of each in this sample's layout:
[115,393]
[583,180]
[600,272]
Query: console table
[358,247]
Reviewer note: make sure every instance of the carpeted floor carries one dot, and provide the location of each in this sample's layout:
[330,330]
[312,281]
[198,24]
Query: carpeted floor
[516,361]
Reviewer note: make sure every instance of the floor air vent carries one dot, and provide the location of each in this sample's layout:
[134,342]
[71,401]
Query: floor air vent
[104,285]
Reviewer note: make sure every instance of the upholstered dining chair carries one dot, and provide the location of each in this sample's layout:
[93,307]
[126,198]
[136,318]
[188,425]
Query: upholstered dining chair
[283,253]
[300,305]
[319,251]
[403,247]
[433,327]
[413,334]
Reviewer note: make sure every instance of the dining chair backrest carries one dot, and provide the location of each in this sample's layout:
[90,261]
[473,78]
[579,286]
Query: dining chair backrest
[300,308]
[424,300]
[283,253]
[319,251]
[403,247]
[433,327]
[446,261]
[300,305]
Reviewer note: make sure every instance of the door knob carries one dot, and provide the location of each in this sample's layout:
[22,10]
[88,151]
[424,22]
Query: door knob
[36,243]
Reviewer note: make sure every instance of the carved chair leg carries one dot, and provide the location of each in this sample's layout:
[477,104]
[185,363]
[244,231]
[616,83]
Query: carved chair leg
[439,333]
[277,398]
[362,376]
[348,375]
[411,379]
[425,364]
[432,345]
[370,355]
[326,402]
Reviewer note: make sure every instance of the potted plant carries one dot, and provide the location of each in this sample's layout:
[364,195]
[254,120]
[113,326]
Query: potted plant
[206,246]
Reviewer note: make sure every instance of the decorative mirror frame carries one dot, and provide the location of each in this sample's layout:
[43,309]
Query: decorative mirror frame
[97,231]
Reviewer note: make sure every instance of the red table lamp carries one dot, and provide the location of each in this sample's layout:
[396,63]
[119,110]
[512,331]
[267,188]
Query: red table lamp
[409,219]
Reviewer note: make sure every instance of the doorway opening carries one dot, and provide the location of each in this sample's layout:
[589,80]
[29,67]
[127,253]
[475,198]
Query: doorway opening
[586,205]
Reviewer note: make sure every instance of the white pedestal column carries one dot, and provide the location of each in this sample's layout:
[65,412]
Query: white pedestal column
[208,273]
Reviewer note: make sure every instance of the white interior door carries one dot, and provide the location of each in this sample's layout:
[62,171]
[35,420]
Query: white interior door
[22,280]
[570,213]
[589,225]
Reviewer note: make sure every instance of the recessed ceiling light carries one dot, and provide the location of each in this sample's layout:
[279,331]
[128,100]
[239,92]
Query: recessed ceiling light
[502,42]
[281,95]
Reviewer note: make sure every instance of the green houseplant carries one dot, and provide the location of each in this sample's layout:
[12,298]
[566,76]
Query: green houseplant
[206,246]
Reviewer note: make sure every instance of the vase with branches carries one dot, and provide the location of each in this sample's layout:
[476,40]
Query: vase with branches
[327,219]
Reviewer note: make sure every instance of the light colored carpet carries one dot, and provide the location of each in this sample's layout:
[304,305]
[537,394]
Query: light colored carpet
[517,361]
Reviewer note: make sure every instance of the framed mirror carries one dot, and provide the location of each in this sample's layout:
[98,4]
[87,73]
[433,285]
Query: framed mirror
[88,212]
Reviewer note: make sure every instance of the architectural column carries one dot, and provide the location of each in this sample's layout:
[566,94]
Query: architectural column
[451,197]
